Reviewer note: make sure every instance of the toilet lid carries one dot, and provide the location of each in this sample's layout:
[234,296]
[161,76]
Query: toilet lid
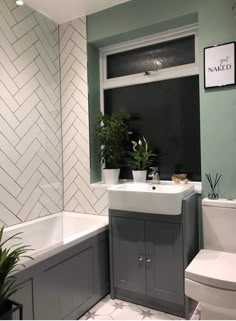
[213,268]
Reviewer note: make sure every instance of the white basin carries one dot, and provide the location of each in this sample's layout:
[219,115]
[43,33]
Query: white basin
[163,199]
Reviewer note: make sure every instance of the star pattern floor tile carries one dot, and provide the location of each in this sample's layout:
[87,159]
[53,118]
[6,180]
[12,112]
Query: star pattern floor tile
[109,309]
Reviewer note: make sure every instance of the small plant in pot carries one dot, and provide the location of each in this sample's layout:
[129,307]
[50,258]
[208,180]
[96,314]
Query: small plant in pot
[113,135]
[140,159]
[9,263]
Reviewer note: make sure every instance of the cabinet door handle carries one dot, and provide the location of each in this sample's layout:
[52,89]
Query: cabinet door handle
[148,259]
[140,258]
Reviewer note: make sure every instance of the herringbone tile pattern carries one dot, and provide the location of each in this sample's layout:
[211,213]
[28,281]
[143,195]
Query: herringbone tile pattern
[78,194]
[30,124]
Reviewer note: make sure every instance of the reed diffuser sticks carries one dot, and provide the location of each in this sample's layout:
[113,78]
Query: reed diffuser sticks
[213,194]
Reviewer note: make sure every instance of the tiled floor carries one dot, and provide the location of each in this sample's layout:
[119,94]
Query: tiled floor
[108,309]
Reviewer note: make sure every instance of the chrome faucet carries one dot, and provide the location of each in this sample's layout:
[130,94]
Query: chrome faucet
[154,174]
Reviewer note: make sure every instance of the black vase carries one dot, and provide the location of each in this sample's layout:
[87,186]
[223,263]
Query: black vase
[8,308]
[6,311]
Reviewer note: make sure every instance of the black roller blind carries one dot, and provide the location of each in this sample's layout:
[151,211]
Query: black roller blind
[167,114]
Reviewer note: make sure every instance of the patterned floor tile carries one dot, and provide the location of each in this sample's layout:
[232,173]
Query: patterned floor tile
[130,312]
[108,309]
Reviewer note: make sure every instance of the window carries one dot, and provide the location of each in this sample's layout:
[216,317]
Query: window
[162,55]
[156,79]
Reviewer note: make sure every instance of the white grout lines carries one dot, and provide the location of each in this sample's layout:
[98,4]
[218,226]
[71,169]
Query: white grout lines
[31,171]
[78,195]
[30,126]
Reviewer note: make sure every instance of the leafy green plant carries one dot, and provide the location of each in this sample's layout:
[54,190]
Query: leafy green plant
[141,157]
[113,134]
[9,263]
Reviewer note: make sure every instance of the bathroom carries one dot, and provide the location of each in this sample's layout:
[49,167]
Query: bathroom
[54,81]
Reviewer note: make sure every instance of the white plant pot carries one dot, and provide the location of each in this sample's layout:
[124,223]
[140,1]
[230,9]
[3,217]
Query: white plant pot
[140,176]
[111,176]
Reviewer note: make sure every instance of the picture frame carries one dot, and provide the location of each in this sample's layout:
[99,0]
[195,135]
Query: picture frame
[220,65]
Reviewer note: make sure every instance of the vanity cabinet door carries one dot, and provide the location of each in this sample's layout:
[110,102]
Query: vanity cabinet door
[164,251]
[128,243]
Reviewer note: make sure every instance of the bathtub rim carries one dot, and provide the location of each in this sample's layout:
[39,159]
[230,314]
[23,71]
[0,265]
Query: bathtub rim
[37,220]
[49,251]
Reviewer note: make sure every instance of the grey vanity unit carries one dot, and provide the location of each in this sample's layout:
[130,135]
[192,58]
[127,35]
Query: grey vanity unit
[67,284]
[148,256]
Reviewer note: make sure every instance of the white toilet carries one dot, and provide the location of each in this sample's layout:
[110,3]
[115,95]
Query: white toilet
[211,276]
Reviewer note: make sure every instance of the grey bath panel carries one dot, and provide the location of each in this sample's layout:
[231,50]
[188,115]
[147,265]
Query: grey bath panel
[64,287]
[129,254]
[101,268]
[67,284]
[164,250]
[24,296]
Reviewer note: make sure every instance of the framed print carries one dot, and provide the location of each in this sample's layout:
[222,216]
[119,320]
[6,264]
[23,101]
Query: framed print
[219,65]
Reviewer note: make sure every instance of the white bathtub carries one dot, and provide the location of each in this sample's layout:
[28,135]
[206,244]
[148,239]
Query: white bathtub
[70,270]
[80,226]
[52,234]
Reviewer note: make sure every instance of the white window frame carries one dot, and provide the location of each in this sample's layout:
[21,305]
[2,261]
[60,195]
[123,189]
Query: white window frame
[154,76]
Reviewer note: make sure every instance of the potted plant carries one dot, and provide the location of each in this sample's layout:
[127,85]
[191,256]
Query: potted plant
[140,159]
[113,135]
[9,262]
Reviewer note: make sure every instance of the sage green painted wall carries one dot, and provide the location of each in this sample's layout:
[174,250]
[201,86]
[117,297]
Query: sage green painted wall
[218,106]
[134,16]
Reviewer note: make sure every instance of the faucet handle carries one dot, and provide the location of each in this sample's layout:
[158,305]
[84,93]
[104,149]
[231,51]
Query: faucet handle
[154,174]
[154,168]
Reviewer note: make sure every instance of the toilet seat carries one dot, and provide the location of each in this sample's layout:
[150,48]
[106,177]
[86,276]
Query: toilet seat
[214,268]
[213,296]
[211,278]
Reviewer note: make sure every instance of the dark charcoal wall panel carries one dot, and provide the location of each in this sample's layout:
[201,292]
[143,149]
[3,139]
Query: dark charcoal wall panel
[167,114]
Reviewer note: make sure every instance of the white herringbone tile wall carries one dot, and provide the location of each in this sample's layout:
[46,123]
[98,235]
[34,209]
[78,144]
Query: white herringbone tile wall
[30,124]
[78,195]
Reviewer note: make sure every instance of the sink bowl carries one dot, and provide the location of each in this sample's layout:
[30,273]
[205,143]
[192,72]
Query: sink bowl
[163,199]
